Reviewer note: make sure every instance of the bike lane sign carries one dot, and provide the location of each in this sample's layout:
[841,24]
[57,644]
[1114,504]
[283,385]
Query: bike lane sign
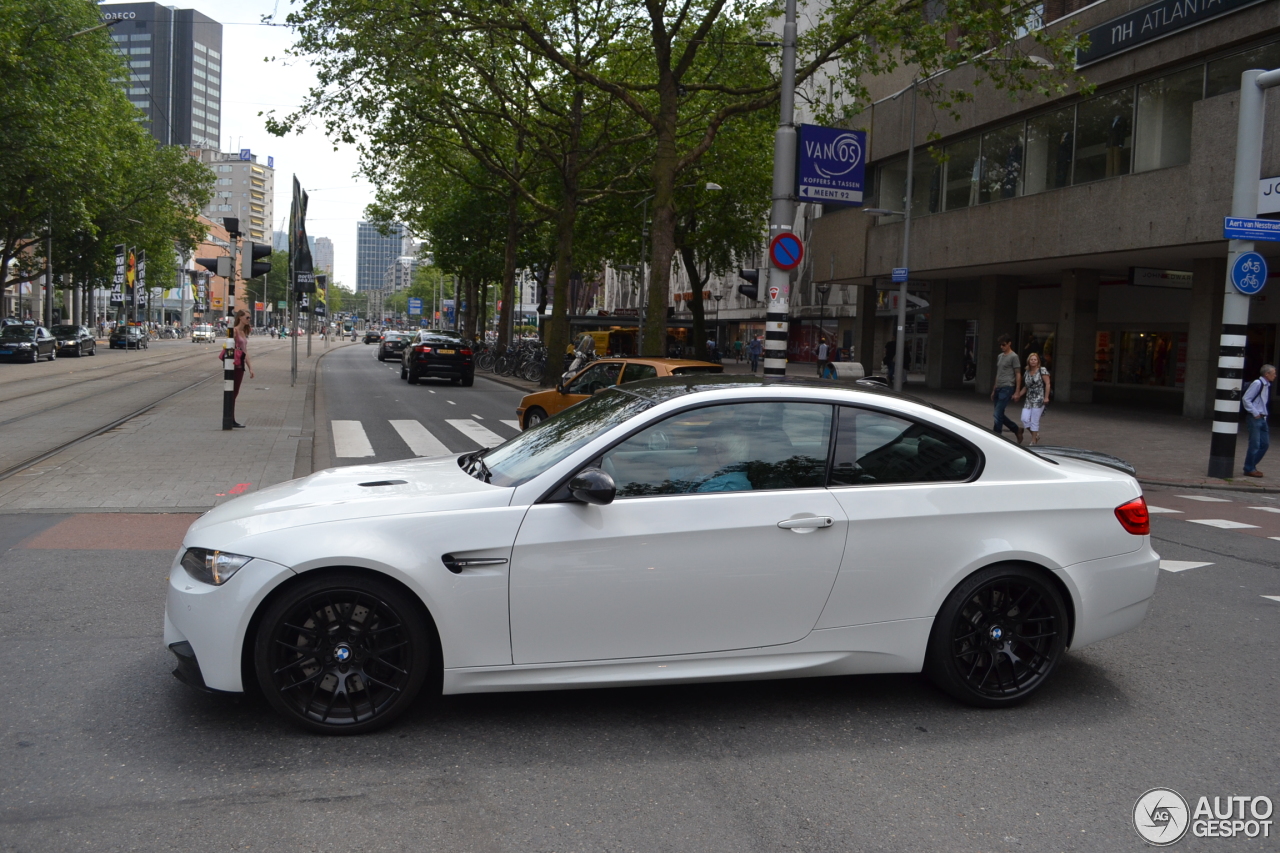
[1249,273]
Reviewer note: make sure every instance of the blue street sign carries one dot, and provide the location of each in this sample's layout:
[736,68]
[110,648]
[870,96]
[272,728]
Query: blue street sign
[1251,229]
[1249,273]
[415,306]
[831,167]
[786,251]
[900,273]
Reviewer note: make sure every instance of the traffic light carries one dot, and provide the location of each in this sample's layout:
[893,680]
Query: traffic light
[258,267]
[751,289]
[218,266]
[232,224]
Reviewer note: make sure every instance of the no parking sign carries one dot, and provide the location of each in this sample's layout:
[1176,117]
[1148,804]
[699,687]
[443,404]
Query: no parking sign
[786,251]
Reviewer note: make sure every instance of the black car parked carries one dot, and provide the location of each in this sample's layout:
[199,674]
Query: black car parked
[75,340]
[372,336]
[439,354]
[391,345]
[27,343]
[128,337]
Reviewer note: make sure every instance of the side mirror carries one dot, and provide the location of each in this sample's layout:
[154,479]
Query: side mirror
[560,388]
[593,486]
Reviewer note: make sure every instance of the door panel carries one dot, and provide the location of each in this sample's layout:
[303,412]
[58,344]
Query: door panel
[668,575]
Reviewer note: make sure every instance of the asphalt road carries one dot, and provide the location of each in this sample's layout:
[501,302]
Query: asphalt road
[103,750]
[371,402]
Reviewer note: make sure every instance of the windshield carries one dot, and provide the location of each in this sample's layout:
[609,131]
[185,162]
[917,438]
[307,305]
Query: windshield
[535,450]
[65,331]
[18,333]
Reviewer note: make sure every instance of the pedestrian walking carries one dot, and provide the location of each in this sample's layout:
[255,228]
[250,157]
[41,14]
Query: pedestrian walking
[824,353]
[240,353]
[753,352]
[1256,399]
[1008,385]
[737,351]
[1035,393]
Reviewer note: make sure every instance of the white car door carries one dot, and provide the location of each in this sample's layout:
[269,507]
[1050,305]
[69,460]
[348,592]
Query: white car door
[722,537]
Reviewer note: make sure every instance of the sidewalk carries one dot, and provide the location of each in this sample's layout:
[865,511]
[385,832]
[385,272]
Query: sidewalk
[1167,449]
[177,457]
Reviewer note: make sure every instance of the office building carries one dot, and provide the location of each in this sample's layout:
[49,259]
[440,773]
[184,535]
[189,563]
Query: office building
[400,274]
[375,254]
[322,254]
[175,70]
[244,188]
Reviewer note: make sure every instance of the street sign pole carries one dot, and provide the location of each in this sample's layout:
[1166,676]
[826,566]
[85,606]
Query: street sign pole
[229,345]
[782,216]
[899,347]
[1235,305]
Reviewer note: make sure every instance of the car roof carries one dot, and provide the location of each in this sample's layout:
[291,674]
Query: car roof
[666,388]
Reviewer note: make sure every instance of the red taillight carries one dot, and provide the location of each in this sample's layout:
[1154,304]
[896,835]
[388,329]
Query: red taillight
[1134,517]
[422,349]
[465,351]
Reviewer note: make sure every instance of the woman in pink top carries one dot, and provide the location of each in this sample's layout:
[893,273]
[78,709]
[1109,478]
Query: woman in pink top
[242,329]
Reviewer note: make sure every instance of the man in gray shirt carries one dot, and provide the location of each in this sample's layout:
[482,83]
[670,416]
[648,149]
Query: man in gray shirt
[1008,383]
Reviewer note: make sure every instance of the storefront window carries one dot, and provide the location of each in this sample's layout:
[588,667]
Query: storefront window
[1001,163]
[1153,359]
[962,173]
[1164,119]
[1224,74]
[1049,149]
[1040,339]
[1104,137]
[926,184]
[891,181]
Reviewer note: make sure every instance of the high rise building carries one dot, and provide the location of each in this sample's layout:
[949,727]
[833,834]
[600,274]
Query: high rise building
[244,189]
[175,70]
[322,254]
[375,254]
[400,274]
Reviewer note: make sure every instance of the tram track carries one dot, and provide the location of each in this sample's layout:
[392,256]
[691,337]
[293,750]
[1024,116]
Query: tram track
[95,375]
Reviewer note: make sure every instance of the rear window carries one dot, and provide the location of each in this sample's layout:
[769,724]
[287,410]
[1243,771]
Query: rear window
[64,330]
[696,368]
[440,340]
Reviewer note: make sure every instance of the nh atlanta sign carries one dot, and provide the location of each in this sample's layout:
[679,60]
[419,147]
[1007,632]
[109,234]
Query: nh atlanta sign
[1151,22]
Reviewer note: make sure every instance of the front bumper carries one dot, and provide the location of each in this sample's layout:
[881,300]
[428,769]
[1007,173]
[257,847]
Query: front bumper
[213,621]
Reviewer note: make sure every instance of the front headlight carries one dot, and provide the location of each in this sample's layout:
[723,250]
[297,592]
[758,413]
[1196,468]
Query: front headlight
[212,567]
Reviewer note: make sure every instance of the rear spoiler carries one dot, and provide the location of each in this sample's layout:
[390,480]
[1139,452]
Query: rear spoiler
[1093,456]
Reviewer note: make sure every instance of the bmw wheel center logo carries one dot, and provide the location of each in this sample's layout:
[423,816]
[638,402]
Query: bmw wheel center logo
[996,632]
[342,653]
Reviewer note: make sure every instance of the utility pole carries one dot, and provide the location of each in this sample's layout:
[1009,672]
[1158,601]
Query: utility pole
[782,216]
[1235,305]
[229,344]
[48,275]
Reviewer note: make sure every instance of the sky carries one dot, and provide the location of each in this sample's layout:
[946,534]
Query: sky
[250,86]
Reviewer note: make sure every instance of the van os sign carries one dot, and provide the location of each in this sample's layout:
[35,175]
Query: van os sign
[832,165]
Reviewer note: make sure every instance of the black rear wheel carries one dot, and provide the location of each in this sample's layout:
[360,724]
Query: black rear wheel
[998,637]
[343,654]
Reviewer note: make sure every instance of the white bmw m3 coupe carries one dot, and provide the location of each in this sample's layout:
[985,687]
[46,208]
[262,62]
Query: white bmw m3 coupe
[675,530]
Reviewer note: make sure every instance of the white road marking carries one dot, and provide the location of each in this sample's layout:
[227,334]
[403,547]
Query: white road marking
[420,441]
[515,425]
[1207,500]
[477,417]
[429,391]
[451,403]
[1267,508]
[1224,523]
[1180,565]
[349,440]
[1272,597]
[477,433]
[1155,510]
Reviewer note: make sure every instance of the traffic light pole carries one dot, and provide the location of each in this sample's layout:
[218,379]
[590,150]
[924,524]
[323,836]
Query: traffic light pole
[782,217]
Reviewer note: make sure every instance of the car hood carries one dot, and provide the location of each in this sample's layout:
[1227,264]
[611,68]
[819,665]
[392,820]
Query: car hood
[336,494]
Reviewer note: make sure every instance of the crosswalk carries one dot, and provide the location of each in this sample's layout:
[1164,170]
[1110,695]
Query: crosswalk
[351,440]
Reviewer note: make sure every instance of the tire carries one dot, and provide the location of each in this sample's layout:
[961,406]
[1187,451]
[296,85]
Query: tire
[468,380]
[502,366]
[998,636]
[94,350]
[412,378]
[305,630]
[535,371]
[404,372]
[455,381]
[485,361]
[534,416]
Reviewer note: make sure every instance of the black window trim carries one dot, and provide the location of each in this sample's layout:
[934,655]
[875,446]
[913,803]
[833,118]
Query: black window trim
[835,428]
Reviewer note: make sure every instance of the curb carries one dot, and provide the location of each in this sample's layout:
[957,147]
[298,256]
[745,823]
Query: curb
[1220,487]
[313,447]
[511,383]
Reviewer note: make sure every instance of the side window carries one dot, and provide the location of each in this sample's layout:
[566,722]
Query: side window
[635,372]
[594,378]
[873,448]
[733,448]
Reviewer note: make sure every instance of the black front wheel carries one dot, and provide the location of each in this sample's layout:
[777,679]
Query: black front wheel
[343,653]
[998,636]
[534,416]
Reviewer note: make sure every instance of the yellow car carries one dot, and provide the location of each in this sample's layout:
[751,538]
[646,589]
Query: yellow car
[606,372]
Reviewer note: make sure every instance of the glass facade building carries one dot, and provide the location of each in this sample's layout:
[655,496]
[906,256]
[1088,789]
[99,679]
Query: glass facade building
[375,253]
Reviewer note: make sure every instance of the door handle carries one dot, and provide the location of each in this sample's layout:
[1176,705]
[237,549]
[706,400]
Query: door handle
[811,523]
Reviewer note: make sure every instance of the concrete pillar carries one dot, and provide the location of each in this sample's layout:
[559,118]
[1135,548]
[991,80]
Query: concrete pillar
[1204,327]
[997,315]
[864,344]
[946,342]
[1077,337]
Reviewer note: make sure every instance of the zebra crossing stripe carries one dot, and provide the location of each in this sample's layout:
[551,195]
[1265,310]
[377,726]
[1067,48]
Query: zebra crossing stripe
[515,425]
[349,440]
[477,433]
[420,441]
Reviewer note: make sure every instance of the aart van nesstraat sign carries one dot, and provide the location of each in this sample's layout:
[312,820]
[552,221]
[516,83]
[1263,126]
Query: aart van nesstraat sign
[1151,22]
